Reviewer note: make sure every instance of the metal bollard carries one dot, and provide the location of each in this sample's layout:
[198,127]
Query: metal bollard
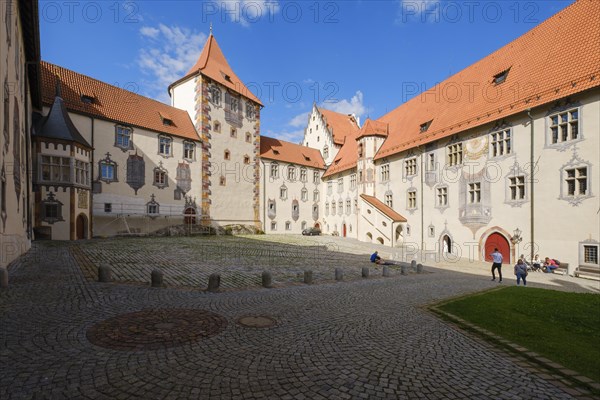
[104,273]
[419,268]
[308,277]
[365,272]
[404,269]
[267,280]
[339,274]
[214,281]
[413,265]
[157,278]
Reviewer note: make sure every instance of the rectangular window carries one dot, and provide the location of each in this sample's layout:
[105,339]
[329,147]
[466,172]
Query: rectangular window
[500,143]
[82,173]
[123,137]
[410,167]
[107,172]
[303,175]
[353,181]
[152,208]
[348,206]
[288,226]
[315,196]
[389,200]
[107,207]
[329,187]
[412,200]
[340,185]
[517,188]
[304,195]
[56,169]
[316,177]
[431,162]
[273,226]
[274,173]
[455,154]
[160,178]
[576,179]
[564,126]
[475,192]
[291,174]
[164,146]
[590,254]
[188,150]
[385,172]
[283,193]
[442,196]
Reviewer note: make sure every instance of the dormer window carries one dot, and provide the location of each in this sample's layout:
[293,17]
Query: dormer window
[167,122]
[424,126]
[86,99]
[275,151]
[501,77]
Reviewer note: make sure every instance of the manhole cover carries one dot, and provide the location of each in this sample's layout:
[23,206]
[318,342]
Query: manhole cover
[155,329]
[258,321]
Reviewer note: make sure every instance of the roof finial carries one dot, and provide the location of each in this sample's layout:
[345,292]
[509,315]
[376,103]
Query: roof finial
[211,28]
[58,88]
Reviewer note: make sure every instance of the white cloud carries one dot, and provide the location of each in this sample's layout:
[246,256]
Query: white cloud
[170,52]
[299,120]
[353,106]
[246,12]
[150,31]
[288,136]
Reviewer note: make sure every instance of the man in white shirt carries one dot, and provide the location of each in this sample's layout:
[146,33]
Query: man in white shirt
[497,264]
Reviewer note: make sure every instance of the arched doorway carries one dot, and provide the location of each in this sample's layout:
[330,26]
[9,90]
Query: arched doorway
[190,216]
[343,230]
[497,240]
[81,227]
[446,245]
[399,236]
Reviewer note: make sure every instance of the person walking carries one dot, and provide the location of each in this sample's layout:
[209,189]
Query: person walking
[521,272]
[497,264]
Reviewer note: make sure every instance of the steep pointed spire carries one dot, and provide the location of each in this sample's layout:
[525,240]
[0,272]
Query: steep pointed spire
[213,64]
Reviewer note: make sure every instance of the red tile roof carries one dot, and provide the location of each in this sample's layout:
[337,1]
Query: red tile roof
[345,158]
[279,150]
[391,214]
[213,64]
[113,103]
[373,128]
[340,125]
[558,58]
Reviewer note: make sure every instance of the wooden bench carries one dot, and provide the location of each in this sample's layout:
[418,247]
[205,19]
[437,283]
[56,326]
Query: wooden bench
[589,272]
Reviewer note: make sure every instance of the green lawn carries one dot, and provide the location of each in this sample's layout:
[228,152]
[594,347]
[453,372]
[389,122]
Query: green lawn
[563,327]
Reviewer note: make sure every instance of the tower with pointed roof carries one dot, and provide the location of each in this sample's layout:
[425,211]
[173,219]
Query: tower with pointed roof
[227,117]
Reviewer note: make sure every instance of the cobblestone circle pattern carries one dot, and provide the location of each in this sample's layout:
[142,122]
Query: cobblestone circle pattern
[155,329]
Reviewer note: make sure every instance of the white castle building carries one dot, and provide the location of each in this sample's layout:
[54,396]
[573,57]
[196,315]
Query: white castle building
[502,154]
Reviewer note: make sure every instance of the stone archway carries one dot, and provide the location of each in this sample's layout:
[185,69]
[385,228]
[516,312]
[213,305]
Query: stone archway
[446,244]
[497,241]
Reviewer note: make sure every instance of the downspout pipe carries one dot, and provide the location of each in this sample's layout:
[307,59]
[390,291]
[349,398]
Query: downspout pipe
[532,186]
[421,195]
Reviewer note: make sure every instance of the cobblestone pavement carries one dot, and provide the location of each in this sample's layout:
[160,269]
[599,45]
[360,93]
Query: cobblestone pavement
[351,340]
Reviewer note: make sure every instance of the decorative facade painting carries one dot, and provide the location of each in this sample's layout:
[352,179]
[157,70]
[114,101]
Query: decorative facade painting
[184,178]
[295,210]
[136,172]
[272,209]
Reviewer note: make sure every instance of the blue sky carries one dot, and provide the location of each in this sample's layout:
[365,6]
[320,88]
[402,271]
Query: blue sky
[365,57]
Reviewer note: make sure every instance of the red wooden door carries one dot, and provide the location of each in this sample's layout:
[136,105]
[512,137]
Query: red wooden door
[496,240]
[344,230]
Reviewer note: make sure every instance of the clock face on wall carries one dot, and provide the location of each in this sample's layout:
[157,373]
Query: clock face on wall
[476,148]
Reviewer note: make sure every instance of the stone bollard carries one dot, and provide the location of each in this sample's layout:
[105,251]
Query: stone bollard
[104,273]
[365,272]
[3,278]
[413,265]
[308,277]
[386,271]
[404,269]
[339,274]
[267,280]
[214,281]
[419,268]
[157,278]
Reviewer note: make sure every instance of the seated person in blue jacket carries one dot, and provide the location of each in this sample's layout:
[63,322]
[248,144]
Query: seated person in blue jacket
[376,259]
